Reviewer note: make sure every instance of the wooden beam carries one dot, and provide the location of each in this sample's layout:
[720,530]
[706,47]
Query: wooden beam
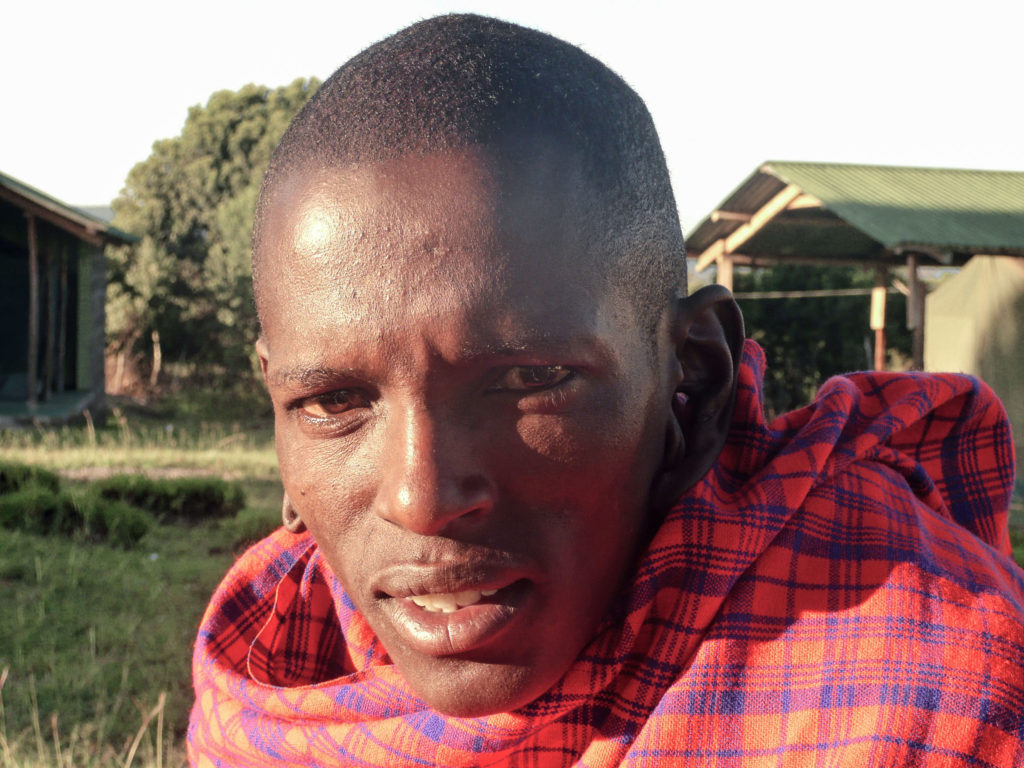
[809,293]
[765,213]
[942,257]
[770,260]
[744,232]
[804,200]
[712,254]
[32,374]
[88,234]
[717,216]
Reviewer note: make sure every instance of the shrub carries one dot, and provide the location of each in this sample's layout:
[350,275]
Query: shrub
[41,510]
[188,499]
[248,527]
[14,477]
[115,521]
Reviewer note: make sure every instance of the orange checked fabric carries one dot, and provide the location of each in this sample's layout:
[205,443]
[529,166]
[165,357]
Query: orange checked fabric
[837,591]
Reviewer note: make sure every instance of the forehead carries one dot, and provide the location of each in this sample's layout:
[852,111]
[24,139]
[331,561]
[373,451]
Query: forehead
[412,235]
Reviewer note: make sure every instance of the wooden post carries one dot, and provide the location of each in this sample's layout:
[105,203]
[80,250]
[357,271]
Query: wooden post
[50,345]
[725,271]
[877,320]
[158,357]
[915,311]
[32,374]
[62,320]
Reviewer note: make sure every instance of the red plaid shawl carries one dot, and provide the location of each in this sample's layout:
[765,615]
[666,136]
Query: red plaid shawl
[835,592]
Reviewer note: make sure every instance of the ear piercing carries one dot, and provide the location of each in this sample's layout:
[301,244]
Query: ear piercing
[290,517]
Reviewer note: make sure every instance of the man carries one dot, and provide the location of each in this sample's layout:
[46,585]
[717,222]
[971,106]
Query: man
[533,515]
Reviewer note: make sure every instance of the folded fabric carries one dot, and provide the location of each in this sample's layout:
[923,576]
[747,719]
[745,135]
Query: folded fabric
[836,591]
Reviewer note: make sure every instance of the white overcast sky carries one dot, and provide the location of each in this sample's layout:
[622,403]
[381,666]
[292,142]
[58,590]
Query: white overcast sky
[88,86]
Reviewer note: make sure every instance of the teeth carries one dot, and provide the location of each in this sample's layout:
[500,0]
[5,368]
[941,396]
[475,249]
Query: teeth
[449,602]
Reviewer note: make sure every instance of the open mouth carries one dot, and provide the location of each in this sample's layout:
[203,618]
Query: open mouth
[447,623]
[449,602]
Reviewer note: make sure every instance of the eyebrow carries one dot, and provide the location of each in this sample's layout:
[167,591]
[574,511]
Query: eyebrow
[544,343]
[315,375]
[310,376]
[473,352]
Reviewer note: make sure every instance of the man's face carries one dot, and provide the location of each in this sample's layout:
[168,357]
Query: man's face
[467,421]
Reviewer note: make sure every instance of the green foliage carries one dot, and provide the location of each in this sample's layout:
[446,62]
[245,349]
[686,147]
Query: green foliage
[807,340]
[115,522]
[192,203]
[186,499]
[15,476]
[228,409]
[45,510]
[40,510]
[248,527]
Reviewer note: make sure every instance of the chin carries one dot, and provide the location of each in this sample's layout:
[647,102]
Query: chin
[482,690]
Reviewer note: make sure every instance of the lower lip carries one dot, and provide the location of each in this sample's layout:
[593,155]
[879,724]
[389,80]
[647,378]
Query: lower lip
[461,631]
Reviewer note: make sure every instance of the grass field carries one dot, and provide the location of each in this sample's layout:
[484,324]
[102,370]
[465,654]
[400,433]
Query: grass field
[95,642]
[232,448]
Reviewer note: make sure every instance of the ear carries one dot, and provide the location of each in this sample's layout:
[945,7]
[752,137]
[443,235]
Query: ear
[708,336]
[263,353]
[290,517]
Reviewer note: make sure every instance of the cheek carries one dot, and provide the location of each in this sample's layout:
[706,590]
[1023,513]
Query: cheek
[330,488]
[594,481]
[606,444]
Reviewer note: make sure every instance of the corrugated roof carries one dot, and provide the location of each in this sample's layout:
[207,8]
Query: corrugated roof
[68,213]
[890,208]
[945,208]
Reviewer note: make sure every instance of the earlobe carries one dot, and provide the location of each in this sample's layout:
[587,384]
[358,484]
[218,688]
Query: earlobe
[290,517]
[708,337]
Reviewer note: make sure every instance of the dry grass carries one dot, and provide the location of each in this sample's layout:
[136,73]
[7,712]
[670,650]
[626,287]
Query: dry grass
[46,745]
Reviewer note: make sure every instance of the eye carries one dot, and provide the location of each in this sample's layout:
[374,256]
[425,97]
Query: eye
[332,404]
[531,377]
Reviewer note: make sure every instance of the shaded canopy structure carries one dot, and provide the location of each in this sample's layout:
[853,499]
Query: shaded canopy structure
[872,216]
[52,303]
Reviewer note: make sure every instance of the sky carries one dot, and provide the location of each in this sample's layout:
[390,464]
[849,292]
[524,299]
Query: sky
[88,87]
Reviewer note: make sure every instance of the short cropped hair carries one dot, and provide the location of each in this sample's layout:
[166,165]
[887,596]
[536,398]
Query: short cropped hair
[463,81]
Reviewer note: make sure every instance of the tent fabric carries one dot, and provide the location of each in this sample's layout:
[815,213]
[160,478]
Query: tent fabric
[974,323]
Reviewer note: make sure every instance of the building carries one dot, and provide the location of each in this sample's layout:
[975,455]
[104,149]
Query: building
[52,300]
[879,217]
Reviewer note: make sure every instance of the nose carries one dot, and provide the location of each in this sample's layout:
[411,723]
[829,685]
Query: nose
[433,477]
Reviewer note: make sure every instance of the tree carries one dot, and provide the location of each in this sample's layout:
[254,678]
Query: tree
[185,288]
[807,340]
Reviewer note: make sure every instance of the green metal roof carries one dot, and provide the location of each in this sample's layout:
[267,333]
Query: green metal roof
[876,211]
[64,211]
[943,208]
